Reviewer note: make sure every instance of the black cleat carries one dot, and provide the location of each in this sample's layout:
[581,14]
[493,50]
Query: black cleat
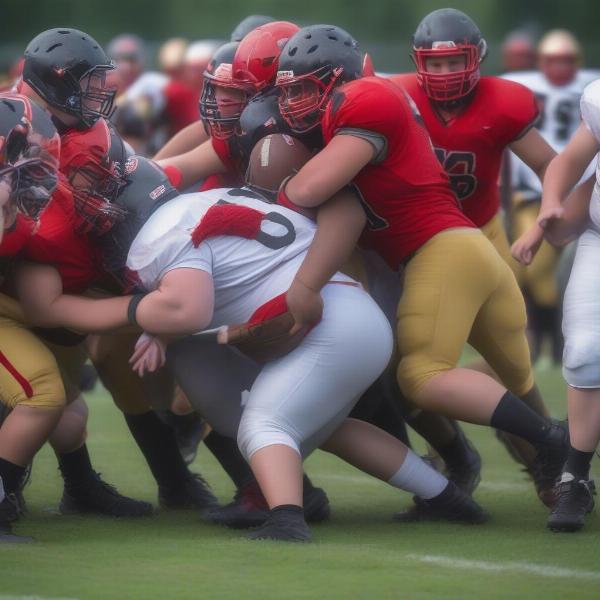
[284,525]
[191,493]
[548,464]
[451,505]
[466,473]
[250,509]
[316,502]
[575,501]
[100,498]
[10,512]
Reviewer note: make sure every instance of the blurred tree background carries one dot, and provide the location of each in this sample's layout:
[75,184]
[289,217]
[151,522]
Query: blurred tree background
[384,27]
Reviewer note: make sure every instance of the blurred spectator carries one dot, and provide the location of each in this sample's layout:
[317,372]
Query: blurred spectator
[518,51]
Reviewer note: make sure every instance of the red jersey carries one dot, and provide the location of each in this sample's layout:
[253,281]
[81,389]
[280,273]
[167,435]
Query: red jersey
[405,190]
[234,176]
[14,240]
[471,145]
[56,243]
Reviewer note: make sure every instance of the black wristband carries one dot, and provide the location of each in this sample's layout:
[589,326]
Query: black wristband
[132,308]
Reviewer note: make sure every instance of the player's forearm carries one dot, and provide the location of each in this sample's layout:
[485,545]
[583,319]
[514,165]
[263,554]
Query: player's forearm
[83,314]
[561,176]
[165,313]
[575,217]
[195,165]
[183,141]
[340,221]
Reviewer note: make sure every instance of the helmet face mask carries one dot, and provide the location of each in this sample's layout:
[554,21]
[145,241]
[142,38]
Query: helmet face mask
[95,190]
[314,61]
[92,162]
[221,103]
[29,155]
[302,99]
[451,84]
[450,36]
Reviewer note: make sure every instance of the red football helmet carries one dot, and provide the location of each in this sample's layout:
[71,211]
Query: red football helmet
[257,57]
[92,161]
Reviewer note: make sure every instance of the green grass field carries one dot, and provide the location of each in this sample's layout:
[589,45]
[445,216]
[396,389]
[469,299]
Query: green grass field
[360,553]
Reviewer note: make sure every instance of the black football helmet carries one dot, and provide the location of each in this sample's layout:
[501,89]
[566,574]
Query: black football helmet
[220,118]
[314,61]
[29,154]
[447,33]
[146,187]
[245,26]
[261,117]
[67,68]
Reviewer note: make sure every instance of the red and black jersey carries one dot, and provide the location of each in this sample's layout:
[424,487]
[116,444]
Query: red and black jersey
[231,158]
[470,146]
[405,190]
[56,243]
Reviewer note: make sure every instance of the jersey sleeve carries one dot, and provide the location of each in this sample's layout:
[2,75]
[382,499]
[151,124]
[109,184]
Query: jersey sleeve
[518,107]
[370,106]
[223,150]
[152,259]
[590,108]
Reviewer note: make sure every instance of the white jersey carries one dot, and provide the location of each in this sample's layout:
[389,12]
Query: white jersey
[246,272]
[559,119]
[590,113]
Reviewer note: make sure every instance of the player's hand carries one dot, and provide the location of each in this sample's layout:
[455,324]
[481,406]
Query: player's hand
[549,214]
[149,355]
[526,247]
[305,305]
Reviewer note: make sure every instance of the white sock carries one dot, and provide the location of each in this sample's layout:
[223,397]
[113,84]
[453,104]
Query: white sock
[2,494]
[416,476]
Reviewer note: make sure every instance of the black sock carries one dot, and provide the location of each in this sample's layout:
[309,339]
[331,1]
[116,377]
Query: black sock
[456,452]
[288,508]
[514,416]
[307,484]
[75,467]
[158,444]
[226,451]
[11,475]
[578,463]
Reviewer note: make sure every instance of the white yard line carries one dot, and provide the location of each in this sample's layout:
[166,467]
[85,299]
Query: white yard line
[503,567]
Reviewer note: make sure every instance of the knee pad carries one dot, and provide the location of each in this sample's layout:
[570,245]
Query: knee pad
[257,432]
[581,361]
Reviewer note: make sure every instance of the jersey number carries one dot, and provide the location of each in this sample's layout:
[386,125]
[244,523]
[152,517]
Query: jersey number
[565,116]
[460,167]
[274,242]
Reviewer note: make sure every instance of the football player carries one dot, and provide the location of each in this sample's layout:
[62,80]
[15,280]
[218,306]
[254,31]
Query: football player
[563,221]
[376,141]
[228,256]
[30,383]
[193,135]
[557,84]
[65,71]
[235,75]
[471,121]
